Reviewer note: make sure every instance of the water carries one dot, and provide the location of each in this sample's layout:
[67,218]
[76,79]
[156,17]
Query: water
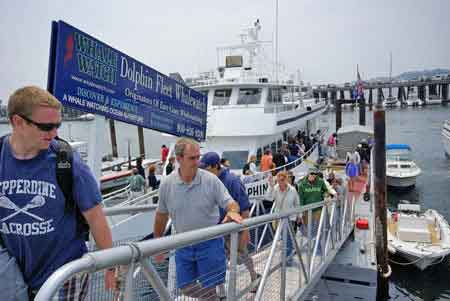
[420,128]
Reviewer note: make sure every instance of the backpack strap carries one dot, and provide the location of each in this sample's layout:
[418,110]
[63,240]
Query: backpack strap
[1,144]
[64,176]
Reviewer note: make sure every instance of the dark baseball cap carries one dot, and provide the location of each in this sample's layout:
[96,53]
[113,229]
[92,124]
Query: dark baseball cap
[209,159]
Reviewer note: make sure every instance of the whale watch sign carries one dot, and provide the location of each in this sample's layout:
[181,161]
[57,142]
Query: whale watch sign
[87,74]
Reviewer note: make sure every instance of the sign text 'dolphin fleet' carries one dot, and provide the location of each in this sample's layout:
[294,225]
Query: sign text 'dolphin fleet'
[91,76]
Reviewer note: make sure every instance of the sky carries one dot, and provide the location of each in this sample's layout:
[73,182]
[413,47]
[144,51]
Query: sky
[324,39]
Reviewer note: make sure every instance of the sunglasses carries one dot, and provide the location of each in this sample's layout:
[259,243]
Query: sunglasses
[46,127]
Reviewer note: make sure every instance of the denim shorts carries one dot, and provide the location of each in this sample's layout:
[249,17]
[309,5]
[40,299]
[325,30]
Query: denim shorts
[204,262]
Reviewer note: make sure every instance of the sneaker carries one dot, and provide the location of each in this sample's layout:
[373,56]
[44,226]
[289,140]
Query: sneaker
[255,288]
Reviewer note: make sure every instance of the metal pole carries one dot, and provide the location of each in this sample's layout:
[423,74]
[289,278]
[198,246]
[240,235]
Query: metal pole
[152,276]
[283,259]
[141,142]
[112,131]
[380,202]
[231,295]
[370,99]
[269,262]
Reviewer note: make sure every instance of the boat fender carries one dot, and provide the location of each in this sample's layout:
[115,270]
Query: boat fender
[362,223]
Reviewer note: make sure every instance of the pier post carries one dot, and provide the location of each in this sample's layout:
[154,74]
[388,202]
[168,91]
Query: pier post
[333,97]
[380,96]
[141,142]
[362,111]
[379,118]
[370,99]
[444,93]
[112,132]
[341,94]
[338,114]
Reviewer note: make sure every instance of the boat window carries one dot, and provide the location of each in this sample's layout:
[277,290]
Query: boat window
[392,165]
[274,95]
[249,96]
[273,147]
[258,156]
[221,97]
[237,158]
[405,166]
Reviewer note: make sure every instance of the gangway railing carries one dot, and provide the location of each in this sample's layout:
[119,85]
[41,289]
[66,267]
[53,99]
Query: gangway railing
[133,261]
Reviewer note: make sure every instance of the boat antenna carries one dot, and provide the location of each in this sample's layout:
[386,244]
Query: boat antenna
[390,73]
[276,41]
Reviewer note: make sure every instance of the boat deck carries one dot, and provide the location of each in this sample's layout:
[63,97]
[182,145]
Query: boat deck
[392,226]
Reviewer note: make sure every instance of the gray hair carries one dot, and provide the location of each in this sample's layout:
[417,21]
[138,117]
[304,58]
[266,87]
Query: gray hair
[180,146]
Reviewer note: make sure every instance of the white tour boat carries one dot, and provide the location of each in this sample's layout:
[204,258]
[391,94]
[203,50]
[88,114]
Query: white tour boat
[250,109]
[413,98]
[391,101]
[422,238]
[446,137]
[401,171]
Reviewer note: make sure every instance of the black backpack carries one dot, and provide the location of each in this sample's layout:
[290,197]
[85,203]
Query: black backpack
[64,177]
[245,168]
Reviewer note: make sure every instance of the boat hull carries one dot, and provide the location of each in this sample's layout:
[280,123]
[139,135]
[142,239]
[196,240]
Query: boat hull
[420,263]
[446,138]
[401,182]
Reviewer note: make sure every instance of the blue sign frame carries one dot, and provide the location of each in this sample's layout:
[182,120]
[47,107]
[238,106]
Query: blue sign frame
[89,75]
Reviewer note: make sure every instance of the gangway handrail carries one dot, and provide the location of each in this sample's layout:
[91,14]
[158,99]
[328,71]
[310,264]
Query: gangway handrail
[126,254]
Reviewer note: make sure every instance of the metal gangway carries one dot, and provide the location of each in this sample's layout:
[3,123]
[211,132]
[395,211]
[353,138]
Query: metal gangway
[144,279]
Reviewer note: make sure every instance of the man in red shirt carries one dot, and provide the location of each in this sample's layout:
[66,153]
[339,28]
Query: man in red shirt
[164,153]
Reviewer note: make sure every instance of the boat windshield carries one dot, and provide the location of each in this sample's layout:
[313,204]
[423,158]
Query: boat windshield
[237,158]
[221,97]
[249,96]
[398,155]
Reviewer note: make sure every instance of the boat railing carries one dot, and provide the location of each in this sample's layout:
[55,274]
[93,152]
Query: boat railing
[114,195]
[142,278]
[289,166]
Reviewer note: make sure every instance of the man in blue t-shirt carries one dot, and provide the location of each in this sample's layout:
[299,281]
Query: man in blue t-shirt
[211,162]
[34,226]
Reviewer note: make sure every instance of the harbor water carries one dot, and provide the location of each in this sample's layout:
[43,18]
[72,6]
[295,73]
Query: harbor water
[421,129]
[418,127]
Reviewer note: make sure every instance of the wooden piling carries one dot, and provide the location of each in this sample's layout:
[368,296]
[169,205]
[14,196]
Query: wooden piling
[112,132]
[379,118]
[380,96]
[444,93]
[362,111]
[370,99]
[338,114]
[141,142]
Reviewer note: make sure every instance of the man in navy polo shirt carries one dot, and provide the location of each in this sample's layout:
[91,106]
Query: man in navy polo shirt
[211,162]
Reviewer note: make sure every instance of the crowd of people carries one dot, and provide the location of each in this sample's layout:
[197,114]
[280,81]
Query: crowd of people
[202,192]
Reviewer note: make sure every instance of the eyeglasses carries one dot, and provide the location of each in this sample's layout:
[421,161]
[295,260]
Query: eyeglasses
[46,127]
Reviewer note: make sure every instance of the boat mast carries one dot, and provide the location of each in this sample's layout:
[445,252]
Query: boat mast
[276,41]
[390,73]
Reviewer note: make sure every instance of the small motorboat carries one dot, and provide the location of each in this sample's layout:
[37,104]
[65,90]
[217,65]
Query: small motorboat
[391,101]
[446,137]
[401,170]
[421,238]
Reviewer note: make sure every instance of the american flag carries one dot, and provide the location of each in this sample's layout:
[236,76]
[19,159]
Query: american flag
[359,85]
